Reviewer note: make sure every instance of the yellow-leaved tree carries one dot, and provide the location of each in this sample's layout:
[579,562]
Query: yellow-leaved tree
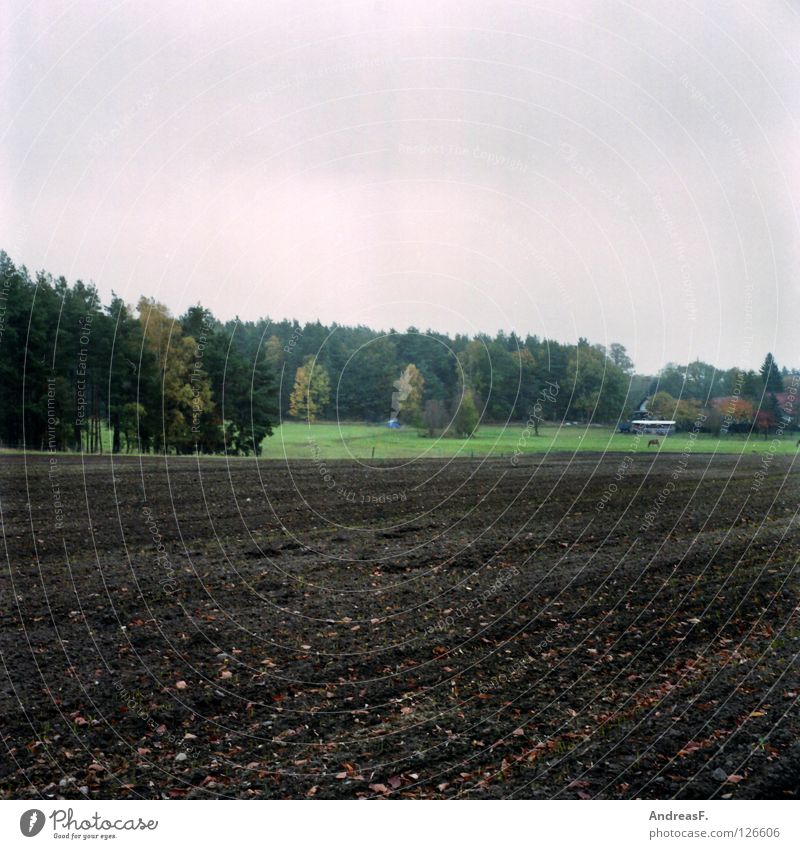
[410,388]
[312,391]
[184,387]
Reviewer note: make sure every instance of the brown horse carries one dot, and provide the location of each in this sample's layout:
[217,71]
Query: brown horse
[652,442]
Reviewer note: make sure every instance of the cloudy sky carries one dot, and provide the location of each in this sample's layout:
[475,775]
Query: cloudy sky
[620,171]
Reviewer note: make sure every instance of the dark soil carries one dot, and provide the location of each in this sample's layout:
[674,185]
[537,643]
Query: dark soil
[438,630]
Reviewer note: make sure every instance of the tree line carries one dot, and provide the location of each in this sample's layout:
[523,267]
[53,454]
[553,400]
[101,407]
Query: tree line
[733,401]
[76,374]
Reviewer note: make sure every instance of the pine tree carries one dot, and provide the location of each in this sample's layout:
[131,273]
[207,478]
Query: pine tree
[771,375]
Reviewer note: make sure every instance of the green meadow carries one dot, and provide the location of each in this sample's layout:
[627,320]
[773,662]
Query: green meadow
[358,441]
[346,440]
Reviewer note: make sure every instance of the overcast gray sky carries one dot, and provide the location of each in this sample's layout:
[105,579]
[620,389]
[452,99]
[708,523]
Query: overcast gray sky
[620,171]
